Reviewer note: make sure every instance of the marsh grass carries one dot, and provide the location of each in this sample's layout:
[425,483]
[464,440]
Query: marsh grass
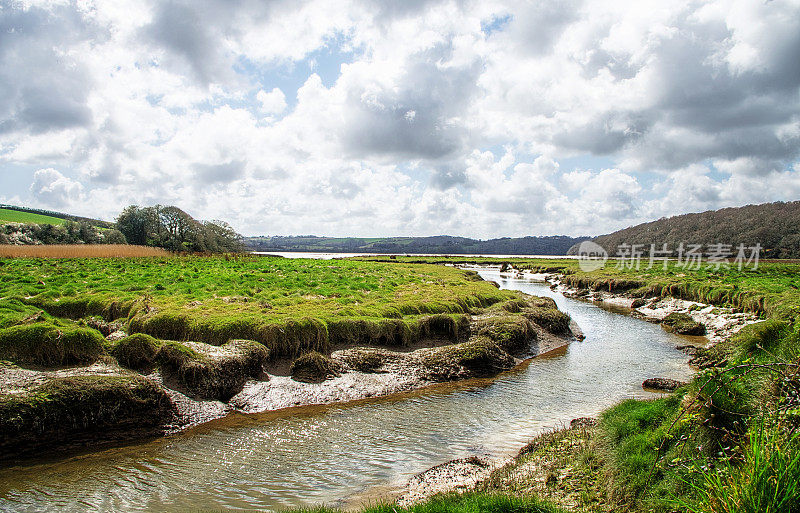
[475,502]
[51,414]
[49,345]
[290,306]
[80,251]
[768,480]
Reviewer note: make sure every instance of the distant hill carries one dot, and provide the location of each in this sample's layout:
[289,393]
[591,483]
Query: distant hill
[14,214]
[441,244]
[775,226]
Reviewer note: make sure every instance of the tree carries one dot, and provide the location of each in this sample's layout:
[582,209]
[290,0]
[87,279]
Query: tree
[171,228]
[114,237]
[133,223]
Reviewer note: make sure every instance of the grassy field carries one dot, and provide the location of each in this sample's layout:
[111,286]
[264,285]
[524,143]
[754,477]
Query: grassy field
[14,216]
[290,305]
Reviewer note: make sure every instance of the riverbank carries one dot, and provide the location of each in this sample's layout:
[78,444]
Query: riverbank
[709,446]
[71,379]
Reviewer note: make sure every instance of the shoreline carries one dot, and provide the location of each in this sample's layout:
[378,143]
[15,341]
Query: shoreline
[468,473]
[496,340]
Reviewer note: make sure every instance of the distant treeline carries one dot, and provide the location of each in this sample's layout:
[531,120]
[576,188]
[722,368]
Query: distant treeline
[774,226]
[440,245]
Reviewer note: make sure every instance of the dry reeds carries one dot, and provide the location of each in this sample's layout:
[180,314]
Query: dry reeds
[80,251]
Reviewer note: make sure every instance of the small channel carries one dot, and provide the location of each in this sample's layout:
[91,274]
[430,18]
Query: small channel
[337,453]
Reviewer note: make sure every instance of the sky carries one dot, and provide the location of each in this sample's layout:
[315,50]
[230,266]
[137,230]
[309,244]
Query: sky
[400,117]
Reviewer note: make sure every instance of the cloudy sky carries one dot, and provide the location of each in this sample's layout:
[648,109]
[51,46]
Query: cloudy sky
[400,117]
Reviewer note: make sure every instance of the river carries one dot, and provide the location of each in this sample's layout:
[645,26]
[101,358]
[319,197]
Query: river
[338,454]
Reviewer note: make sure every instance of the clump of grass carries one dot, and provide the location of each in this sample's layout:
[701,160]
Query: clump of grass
[633,437]
[768,478]
[363,360]
[478,357]
[448,326]
[472,502]
[511,332]
[49,345]
[314,367]
[551,319]
[212,373]
[137,351]
[80,408]
[683,324]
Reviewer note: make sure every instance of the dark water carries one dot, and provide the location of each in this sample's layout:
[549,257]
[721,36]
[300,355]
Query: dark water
[332,454]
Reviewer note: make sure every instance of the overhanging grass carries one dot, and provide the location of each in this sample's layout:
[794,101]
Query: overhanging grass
[88,407]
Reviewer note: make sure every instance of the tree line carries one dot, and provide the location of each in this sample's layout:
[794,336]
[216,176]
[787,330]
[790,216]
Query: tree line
[71,232]
[173,229]
[160,226]
[440,244]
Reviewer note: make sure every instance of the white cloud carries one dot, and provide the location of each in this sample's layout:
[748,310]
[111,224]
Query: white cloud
[416,119]
[50,187]
[273,102]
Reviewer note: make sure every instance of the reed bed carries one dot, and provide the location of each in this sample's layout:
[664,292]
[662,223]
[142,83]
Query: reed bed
[81,251]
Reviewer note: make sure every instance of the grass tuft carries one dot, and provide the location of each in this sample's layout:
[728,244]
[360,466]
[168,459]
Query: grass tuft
[314,367]
[48,345]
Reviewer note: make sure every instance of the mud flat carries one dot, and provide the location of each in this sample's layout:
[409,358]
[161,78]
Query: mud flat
[136,385]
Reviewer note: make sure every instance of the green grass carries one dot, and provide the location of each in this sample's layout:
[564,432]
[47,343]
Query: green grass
[46,344]
[768,480]
[466,503]
[291,306]
[15,216]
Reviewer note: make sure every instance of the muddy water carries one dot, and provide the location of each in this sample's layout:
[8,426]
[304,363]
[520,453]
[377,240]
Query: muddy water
[337,454]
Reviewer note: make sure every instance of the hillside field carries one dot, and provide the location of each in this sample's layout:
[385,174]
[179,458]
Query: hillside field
[15,216]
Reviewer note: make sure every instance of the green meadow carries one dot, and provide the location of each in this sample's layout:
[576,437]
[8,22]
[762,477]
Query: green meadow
[15,216]
[289,305]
